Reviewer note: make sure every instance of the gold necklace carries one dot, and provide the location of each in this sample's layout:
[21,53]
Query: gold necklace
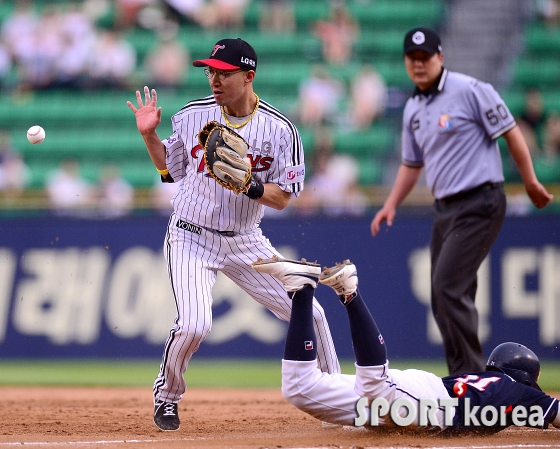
[231,125]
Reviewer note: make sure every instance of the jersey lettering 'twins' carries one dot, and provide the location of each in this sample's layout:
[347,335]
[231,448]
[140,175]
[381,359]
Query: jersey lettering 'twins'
[258,162]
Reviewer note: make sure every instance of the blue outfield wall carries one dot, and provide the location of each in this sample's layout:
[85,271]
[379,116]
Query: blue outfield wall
[80,288]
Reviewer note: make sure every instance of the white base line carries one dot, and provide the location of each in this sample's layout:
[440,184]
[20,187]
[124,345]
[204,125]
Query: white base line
[69,443]
[105,442]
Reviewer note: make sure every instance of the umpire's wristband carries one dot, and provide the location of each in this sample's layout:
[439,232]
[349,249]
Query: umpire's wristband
[254,189]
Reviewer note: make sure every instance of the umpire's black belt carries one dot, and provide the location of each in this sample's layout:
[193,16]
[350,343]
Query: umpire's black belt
[195,229]
[487,186]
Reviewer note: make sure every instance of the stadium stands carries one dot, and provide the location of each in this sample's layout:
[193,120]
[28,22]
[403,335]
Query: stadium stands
[538,67]
[96,126]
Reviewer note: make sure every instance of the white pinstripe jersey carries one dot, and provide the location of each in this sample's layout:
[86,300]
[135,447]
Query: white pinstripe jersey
[276,154]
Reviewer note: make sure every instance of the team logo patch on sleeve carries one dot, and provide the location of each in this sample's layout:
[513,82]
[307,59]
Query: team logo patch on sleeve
[172,138]
[295,174]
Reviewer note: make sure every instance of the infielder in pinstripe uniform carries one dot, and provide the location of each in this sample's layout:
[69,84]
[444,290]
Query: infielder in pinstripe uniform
[211,228]
[450,127]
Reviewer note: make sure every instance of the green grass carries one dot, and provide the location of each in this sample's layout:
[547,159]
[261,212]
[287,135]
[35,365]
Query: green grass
[201,372]
[78,372]
[209,373]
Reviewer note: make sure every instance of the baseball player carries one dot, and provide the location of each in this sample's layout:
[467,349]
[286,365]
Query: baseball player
[508,384]
[450,127]
[211,228]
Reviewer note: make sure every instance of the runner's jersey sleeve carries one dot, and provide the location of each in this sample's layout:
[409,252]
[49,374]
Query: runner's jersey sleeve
[497,390]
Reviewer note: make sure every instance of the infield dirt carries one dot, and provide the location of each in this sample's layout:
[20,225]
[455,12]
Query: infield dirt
[210,418]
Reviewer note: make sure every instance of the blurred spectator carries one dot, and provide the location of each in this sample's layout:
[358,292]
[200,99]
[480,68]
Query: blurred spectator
[18,29]
[78,39]
[154,16]
[116,194]
[5,65]
[337,34]
[319,97]
[167,64]
[195,11]
[368,97]
[551,147]
[532,119]
[127,12]
[333,185]
[162,194]
[69,193]
[99,10]
[39,62]
[14,173]
[277,16]
[549,11]
[214,15]
[50,50]
[229,13]
[113,60]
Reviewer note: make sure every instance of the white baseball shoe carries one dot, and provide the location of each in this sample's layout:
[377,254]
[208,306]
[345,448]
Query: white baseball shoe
[343,278]
[293,274]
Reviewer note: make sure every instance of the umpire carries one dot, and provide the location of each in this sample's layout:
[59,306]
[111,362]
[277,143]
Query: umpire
[450,127]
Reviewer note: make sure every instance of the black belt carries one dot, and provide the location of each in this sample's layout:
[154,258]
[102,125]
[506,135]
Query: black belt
[226,233]
[487,186]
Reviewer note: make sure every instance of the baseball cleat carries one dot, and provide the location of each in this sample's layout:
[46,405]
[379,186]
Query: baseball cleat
[166,416]
[343,278]
[293,274]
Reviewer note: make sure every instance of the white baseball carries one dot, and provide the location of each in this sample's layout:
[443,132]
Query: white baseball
[35,134]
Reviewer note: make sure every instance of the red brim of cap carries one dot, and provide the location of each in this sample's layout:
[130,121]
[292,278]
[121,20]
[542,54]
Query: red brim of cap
[214,63]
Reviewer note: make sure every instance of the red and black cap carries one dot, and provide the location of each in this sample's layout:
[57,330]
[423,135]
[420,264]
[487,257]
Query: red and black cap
[422,39]
[230,54]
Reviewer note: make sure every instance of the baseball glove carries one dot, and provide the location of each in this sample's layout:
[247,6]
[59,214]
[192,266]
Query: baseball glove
[225,155]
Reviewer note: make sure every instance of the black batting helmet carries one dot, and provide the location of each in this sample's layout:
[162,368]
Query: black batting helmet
[517,361]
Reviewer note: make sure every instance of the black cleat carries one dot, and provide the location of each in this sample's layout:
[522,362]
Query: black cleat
[166,416]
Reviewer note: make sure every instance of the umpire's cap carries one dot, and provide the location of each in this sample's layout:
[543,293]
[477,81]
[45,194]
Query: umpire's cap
[422,39]
[517,361]
[230,54]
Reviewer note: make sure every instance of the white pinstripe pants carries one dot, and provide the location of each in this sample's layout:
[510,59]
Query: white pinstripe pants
[193,261]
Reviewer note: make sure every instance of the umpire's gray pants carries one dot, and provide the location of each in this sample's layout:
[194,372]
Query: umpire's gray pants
[464,229]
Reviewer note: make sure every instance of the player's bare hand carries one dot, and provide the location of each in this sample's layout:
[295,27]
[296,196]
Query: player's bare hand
[148,115]
[385,214]
[538,194]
